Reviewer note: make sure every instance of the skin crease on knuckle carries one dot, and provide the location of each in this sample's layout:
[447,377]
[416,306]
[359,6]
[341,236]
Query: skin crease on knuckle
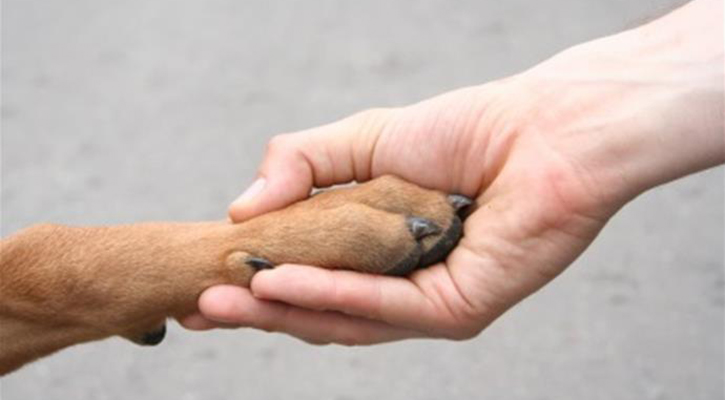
[284,150]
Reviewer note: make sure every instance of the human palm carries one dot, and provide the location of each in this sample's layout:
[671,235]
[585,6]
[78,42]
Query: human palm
[535,210]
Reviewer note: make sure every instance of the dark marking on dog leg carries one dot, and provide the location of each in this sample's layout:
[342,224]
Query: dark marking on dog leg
[154,337]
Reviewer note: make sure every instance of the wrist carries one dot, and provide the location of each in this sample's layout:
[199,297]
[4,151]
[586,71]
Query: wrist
[637,109]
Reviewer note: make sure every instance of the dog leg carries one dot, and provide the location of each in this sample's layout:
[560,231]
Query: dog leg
[66,285]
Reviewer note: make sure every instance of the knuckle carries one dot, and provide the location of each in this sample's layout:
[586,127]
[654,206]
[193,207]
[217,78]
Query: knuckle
[279,143]
[346,336]
[459,330]
[372,114]
[461,333]
[347,341]
[316,341]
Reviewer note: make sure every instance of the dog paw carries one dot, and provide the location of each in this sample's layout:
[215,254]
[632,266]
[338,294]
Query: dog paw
[385,226]
[442,211]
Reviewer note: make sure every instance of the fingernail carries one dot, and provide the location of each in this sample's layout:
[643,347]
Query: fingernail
[252,191]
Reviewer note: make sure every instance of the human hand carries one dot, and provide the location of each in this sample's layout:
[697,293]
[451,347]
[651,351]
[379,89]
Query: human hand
[549,155]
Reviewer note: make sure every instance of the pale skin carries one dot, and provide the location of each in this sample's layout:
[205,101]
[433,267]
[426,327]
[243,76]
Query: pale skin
[549,155]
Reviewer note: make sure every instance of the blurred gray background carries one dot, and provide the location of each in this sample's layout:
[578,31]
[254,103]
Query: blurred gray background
[121,111]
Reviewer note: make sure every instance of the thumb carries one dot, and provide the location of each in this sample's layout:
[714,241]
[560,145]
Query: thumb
[294,163]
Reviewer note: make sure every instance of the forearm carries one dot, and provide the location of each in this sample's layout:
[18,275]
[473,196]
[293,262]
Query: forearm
[643,107]
[66,285]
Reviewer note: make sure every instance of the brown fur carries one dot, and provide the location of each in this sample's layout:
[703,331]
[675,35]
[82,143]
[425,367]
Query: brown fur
[65,285]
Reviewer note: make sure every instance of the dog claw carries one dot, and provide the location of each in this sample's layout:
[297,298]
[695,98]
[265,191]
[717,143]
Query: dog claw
[259,263]
[421,227]
[154,337]
[459,202]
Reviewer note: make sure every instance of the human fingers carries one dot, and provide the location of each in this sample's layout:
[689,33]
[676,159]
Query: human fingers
[295,163]
[234,306]
[197,322]
[428,302]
